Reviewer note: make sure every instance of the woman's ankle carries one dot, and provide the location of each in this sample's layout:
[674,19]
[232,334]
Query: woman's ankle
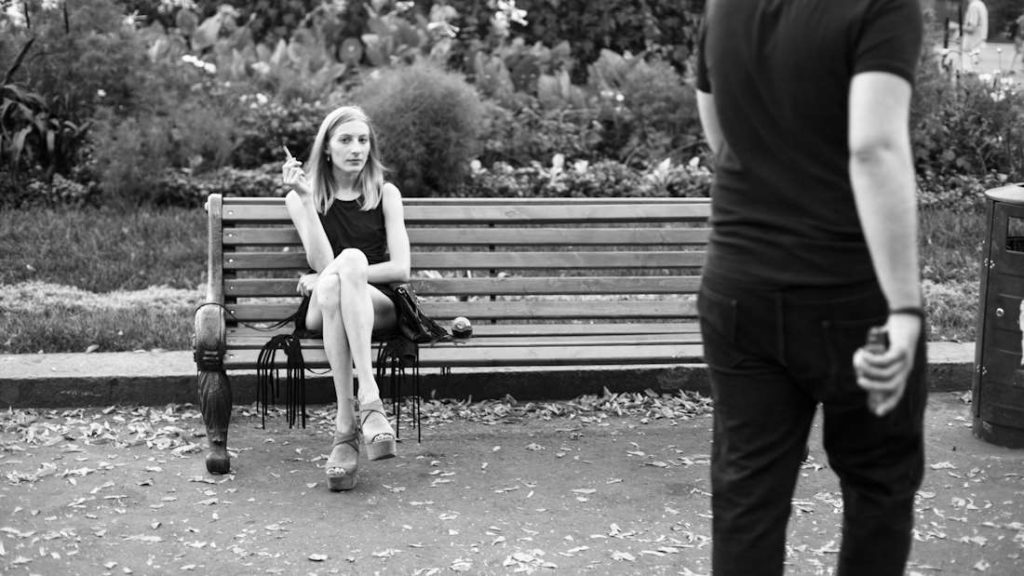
[347,416]
[369,398]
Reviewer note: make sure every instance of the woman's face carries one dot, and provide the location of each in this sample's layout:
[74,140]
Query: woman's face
[349,147]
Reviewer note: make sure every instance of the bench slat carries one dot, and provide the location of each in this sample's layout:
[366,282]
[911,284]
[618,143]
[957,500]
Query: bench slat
[249,287]
[438,357]
[461,213]
[490,260]
[493,201]
[481,236]
[477,310]
[527,330]
[257,341]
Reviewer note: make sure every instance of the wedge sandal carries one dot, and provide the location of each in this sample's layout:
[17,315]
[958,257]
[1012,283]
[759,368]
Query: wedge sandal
[343,464]
[379,445]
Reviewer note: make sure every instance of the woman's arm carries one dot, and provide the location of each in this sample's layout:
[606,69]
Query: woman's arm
[311,231]
[397,268]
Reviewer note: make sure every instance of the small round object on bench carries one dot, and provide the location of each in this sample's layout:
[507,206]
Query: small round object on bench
[461,327]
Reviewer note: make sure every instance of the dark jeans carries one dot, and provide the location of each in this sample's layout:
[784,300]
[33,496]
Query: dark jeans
[773,357]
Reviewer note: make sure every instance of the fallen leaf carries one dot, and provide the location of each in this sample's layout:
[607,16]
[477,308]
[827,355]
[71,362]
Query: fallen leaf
[623,556]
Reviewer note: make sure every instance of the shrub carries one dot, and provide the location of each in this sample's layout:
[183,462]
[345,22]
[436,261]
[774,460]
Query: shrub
[428,123]
[267,124]
[532,133]
[78,63]
[647,110]
[667,28]
[130,152]
[975,126]
[57,192]
[181,188]
[605,178]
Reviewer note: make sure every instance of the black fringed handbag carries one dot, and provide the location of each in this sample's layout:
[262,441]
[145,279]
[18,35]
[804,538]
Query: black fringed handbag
[413,323]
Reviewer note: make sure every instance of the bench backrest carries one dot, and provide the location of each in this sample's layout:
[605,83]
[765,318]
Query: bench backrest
[491,260]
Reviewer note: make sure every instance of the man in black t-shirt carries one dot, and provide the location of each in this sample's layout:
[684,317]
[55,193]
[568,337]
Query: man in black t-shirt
[805,104]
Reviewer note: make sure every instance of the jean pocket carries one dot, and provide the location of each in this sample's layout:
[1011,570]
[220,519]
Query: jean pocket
[718,319]
[842,339]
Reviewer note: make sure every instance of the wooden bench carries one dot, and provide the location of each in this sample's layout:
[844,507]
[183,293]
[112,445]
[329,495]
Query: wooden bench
[545,283]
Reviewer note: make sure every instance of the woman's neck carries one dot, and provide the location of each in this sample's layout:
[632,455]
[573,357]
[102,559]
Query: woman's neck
[345,186]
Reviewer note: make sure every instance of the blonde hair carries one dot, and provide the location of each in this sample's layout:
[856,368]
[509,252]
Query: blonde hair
[370,180]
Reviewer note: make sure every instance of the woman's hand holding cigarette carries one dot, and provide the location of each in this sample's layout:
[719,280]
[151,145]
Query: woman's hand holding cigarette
[294,176]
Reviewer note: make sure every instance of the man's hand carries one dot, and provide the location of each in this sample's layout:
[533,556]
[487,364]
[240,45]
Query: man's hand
[884,375]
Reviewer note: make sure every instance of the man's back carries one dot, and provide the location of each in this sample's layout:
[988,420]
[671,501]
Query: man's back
[780,75]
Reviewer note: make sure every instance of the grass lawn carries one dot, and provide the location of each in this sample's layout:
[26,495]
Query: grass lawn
[118,281]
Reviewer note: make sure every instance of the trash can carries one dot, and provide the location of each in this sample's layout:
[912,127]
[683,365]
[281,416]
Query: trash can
[998,387]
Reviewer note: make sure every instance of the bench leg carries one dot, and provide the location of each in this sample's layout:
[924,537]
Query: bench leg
[215,404]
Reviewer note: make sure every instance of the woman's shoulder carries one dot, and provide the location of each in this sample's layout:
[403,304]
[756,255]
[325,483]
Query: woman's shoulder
[389,189]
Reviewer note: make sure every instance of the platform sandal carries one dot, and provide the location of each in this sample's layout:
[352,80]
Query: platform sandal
[382,444]
[343,464]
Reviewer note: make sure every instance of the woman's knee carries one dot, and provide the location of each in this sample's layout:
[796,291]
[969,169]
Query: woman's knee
[352,266]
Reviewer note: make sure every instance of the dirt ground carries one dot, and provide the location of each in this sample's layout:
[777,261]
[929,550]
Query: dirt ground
[492,489]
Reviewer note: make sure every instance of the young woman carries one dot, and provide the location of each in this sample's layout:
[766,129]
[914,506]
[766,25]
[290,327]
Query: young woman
[353,230]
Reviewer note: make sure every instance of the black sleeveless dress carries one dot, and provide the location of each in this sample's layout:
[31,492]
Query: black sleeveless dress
[348,226]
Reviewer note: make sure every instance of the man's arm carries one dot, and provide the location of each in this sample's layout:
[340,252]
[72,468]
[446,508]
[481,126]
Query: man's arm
[709,121]
[882,175]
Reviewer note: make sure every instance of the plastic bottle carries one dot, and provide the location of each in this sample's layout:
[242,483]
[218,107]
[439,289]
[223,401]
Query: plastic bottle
[877,343]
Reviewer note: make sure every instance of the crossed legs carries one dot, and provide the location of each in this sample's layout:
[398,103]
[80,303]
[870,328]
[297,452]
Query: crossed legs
[347,309]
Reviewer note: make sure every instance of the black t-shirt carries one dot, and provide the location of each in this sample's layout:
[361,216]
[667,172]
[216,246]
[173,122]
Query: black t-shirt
[783,212]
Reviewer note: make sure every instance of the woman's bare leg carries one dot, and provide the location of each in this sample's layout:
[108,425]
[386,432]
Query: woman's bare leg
[361,308]
[325,314]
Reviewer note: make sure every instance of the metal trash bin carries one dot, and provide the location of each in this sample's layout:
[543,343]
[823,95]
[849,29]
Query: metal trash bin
[998,387]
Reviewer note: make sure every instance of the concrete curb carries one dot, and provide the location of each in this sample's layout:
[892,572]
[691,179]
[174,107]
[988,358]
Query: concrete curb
[156,378]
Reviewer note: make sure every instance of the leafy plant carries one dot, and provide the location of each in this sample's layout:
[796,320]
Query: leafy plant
[605,178]
[974,126]
[663,28]
[29,134]
[84,55]
[648,112]
[527,132]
